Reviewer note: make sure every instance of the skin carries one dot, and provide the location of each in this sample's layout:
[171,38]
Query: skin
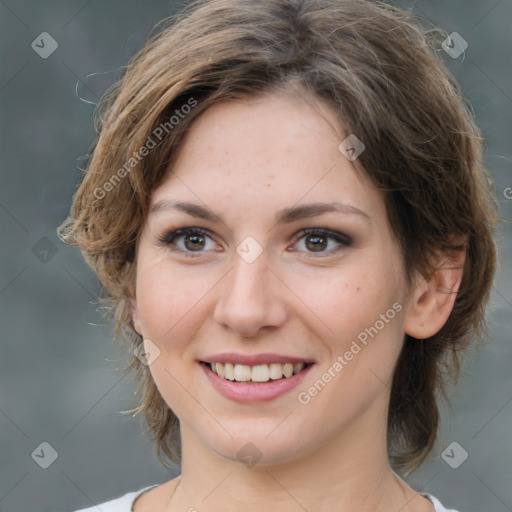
[245,160]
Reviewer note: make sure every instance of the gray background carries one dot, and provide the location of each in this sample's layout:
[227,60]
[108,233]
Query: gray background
[60,378]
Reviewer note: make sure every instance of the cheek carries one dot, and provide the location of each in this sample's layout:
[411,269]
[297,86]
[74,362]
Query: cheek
[370,327]
[168,304]
[362,308]
[352,297]
[170,299]
[161,299]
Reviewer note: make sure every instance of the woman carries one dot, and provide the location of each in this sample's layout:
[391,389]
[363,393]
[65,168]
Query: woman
[288,208]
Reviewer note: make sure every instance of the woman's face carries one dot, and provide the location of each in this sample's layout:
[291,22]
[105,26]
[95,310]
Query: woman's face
[254,282]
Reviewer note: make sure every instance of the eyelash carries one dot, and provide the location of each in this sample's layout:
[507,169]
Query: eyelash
[343,240]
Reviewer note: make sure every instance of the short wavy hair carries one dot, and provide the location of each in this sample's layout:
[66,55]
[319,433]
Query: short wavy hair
[379,68]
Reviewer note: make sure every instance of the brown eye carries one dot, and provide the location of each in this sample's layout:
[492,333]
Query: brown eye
[316,243]
[194,242]
[322,241]
[188,240]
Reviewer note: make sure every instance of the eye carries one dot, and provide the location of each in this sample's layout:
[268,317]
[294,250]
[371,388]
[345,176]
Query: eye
[196,240]
[188,241]
[318,240]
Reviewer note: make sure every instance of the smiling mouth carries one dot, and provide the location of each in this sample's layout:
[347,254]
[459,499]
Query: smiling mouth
[257,374]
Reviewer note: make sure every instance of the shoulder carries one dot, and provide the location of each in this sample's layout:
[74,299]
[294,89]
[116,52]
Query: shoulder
[438,506]
[121,504]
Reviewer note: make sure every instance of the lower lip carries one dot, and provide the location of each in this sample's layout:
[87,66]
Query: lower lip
[253,393]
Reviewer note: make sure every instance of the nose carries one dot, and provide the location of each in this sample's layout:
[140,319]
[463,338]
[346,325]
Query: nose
[251,298]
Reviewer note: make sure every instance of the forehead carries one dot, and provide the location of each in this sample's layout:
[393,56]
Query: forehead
[272,150]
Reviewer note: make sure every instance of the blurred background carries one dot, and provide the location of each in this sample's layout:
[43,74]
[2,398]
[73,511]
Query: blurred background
[60,374]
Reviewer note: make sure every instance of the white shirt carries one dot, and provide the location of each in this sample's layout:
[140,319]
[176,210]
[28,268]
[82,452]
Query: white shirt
[125,503]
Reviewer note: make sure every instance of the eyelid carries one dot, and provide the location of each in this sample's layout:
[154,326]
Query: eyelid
[335,235]
[340,238]
[168,238]
[170,235]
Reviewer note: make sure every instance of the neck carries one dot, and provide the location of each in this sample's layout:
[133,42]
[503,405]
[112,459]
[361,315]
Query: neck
[349,472]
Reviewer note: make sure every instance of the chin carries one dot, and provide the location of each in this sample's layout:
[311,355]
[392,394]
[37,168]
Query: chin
[250,454]
[256,446]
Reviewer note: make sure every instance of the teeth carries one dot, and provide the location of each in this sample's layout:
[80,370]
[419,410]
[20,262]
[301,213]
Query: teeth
[229,371]
[219,368]
[276,370]
[258,373]
[288,370]
[242,372]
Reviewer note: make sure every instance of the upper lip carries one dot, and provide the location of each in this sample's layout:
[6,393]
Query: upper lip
[253,360]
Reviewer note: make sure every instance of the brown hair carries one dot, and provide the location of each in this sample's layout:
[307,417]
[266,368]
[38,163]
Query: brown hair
[379,70]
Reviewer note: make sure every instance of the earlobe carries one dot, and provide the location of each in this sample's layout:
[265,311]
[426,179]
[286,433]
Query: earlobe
[432,300]
[135,317]
[135,313]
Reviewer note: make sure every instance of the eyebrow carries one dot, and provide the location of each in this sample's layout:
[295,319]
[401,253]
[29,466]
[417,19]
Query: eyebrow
[284,216]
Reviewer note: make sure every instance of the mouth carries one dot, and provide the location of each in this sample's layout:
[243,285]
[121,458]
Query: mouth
[256,374]
[254,378]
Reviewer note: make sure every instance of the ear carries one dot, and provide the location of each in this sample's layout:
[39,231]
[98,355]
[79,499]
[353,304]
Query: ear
[135,314]
[431,302]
